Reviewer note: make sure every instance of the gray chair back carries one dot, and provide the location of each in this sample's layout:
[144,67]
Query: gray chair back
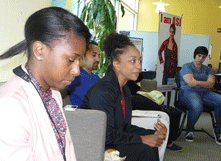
[88,132]
[149,84]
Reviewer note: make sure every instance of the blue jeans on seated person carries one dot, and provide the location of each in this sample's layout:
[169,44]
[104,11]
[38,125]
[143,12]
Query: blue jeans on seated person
[194,100]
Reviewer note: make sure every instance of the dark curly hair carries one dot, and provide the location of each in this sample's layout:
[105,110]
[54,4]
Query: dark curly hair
[114,44]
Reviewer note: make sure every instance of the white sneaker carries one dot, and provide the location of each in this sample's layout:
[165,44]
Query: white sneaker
[189,137]
[217,138]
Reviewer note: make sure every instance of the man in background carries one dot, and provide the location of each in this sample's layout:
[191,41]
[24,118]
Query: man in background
[77,89]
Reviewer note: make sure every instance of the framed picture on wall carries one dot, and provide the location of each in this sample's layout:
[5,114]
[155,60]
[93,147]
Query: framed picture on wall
[138,42]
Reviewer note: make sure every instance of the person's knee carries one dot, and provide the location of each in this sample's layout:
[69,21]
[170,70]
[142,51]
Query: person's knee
[139,152]
[196,106]
[150,154]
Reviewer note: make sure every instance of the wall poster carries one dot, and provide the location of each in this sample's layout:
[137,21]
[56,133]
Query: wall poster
[138,43]
[169,39]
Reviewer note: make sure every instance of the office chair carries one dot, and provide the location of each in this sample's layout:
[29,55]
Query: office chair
[183,107]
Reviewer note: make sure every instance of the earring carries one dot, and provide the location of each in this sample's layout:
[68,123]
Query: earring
[117,73]
[39,58]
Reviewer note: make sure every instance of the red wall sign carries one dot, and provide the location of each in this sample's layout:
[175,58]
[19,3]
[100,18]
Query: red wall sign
[176,21]
[219,30]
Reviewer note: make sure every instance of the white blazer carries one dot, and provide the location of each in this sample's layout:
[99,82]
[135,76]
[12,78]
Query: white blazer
[26,133]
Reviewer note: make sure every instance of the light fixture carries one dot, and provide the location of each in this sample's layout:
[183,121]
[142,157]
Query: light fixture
[160,6]
[220,7]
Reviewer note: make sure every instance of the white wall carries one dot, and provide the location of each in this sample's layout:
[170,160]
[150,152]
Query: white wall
[14,14]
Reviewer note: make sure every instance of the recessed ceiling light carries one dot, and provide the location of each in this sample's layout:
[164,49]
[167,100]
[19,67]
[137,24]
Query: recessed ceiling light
[220,7]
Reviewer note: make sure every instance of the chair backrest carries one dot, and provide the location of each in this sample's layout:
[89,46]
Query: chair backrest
[177,76]
[148,84]
[149,74]
[88,132]
[177,79]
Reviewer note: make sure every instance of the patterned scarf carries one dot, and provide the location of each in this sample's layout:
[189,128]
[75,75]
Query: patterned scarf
[57,120]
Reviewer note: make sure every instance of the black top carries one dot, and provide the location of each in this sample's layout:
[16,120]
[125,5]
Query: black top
[133,84]
[167,60]
[105,95]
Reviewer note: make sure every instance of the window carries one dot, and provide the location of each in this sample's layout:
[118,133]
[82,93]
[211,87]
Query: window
[129,21]
[77,8]
[130,16]
[132,4]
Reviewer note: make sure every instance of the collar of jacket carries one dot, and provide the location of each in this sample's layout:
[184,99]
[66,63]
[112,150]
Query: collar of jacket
[173,41]
[112,77]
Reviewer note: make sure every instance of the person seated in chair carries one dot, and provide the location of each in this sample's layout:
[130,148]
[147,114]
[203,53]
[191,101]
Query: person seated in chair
[196,81]
[77,89]
[33,125]
[140,102]
[111,95]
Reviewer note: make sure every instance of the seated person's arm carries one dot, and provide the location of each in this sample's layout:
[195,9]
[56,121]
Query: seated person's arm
[209,83]
[189,79]
[157,139]
[104,100]
[193,83]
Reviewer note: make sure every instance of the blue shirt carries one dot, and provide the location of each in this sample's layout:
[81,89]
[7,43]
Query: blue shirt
[78,88]
[199,73]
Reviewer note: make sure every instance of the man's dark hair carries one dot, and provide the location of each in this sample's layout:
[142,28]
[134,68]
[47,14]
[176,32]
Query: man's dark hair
[91,42]
[200,50]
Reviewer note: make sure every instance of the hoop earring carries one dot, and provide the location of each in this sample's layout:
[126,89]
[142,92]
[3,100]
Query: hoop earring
[117,74]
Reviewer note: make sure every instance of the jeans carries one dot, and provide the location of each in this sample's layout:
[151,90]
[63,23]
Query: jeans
[194,100]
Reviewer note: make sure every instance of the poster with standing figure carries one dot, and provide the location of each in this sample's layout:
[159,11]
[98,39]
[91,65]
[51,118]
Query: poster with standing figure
[169,39]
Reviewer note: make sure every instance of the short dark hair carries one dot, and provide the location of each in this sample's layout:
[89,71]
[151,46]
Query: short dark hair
[47,25]
[114,45]
[200,50]
[174,27]
[91,42]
